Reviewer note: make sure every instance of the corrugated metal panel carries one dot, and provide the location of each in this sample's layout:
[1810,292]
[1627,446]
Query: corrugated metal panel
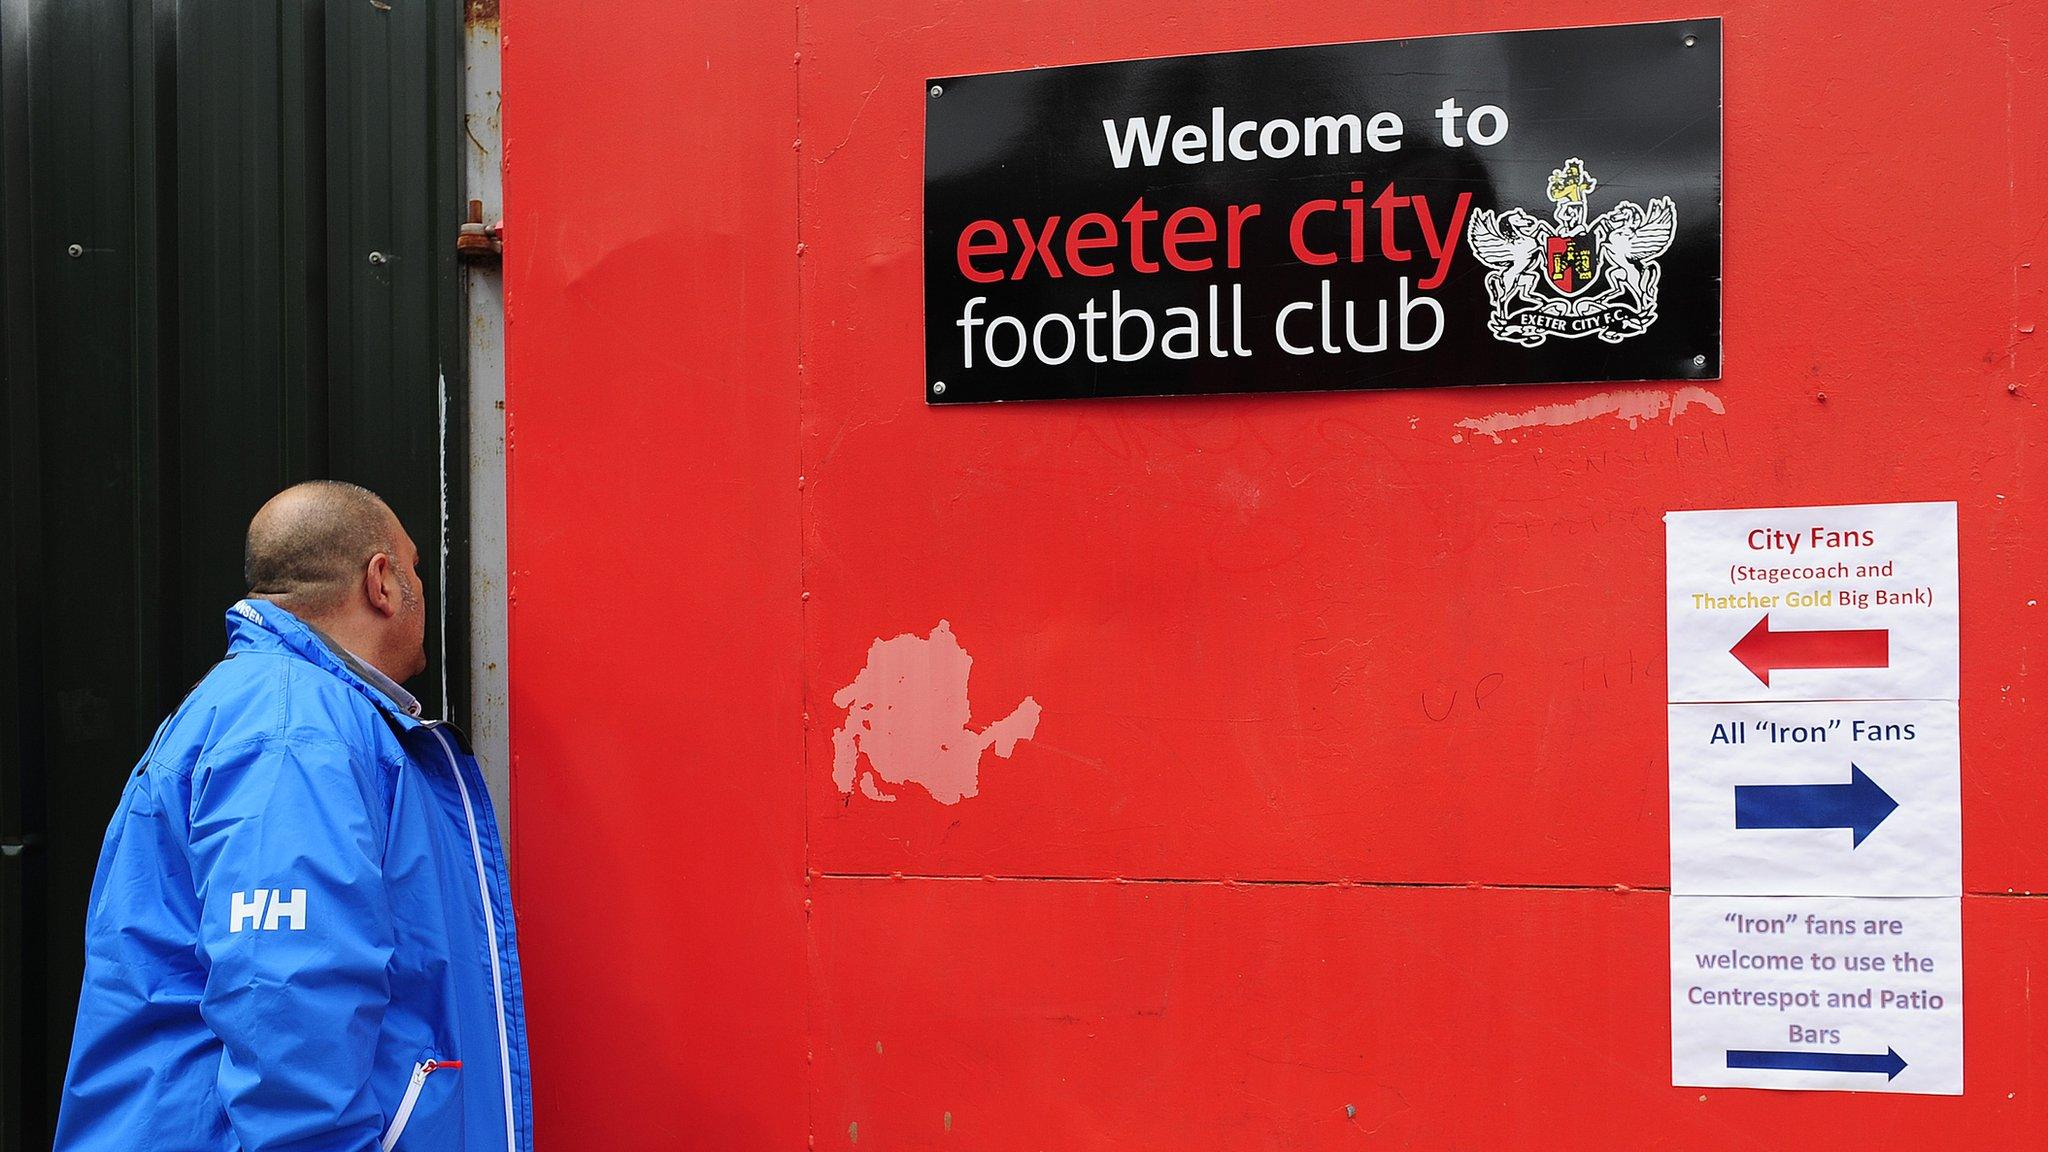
[22,918]
[191,196]
[394,108]
[95,590]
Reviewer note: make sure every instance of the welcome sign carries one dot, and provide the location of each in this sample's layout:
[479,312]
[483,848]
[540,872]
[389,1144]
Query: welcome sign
[1498,208]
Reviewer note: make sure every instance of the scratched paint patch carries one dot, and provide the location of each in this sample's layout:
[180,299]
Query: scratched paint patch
[907,722]
[1633,407]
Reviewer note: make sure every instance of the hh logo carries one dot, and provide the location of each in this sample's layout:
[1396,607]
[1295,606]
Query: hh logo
[268,909]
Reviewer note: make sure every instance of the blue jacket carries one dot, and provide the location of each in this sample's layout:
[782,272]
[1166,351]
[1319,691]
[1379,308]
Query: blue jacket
[300,935]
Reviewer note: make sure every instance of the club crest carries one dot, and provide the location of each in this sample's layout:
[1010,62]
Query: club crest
[1568,277]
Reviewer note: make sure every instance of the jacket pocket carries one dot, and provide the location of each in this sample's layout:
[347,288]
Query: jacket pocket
[415,1090]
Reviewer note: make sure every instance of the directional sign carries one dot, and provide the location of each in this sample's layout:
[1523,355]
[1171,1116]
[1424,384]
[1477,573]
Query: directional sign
[1827,993]
[1823,798]
[1860,805]
[1856,602]
[1816,798]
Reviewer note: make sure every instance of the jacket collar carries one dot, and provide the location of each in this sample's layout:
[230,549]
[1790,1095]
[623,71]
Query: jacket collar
[260,626]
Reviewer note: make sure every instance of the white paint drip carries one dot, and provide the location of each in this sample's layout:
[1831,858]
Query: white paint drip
[441,601]
[1634,407]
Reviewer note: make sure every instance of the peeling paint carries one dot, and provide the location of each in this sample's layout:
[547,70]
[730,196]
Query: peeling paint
[487,424]
[907,716]
[1634,407]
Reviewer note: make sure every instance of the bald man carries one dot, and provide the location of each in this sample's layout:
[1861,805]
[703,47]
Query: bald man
[300,935]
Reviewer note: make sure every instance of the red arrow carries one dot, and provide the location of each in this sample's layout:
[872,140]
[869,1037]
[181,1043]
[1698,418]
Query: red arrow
[1763,651]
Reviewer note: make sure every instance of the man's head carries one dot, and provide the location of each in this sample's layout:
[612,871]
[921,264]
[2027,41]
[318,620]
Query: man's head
[335,556]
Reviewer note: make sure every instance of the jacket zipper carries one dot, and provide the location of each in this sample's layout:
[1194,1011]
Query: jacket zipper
[411,1099]
[490,937]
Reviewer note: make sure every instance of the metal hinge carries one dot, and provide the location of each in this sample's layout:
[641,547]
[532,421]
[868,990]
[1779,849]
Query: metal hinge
[477,242]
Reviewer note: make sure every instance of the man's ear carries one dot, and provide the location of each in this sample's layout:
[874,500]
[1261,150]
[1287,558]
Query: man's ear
[380,585]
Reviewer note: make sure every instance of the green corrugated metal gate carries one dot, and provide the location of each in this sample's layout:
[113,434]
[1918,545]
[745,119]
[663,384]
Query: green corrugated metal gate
[229,264]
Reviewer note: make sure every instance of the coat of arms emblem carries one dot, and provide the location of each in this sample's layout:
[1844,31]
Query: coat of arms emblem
[1566,277]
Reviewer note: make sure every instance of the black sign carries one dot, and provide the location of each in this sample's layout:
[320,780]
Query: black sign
[1489,209]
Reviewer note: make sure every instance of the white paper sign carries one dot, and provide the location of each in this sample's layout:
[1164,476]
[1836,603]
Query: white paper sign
[1844,993]
[1839,798]
[1852,602]
[1816,798]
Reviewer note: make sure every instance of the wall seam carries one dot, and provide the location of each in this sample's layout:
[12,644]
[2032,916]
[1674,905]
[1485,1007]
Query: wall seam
[810,1087]
[1286,882]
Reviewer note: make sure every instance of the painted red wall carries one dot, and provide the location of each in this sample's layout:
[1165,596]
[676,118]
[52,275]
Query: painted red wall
[1344,822]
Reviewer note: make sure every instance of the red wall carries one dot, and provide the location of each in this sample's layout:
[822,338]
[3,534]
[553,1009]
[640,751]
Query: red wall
[1344,823]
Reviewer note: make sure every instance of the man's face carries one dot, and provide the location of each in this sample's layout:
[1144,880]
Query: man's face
[410,625]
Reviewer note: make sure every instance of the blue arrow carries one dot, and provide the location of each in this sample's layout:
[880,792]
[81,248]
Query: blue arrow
[1890,1064]
[1859,805]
